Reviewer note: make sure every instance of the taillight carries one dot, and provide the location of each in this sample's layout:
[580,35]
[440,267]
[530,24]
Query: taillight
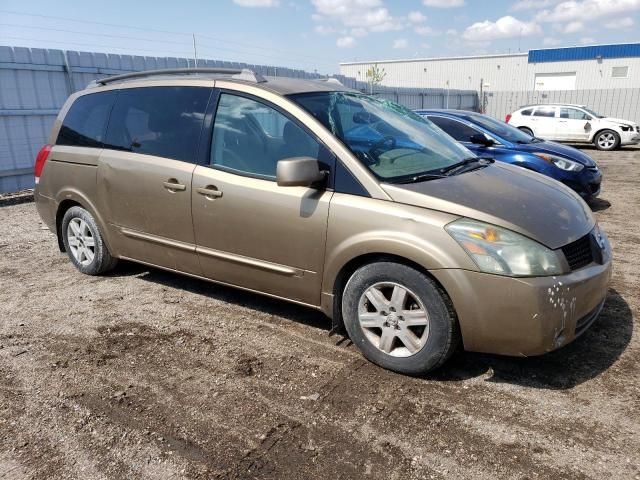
[43,154]
[507,118]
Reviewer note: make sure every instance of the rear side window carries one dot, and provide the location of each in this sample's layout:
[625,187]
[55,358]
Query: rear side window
[526,112]
[161,121]
[86,121]
[455,129]
[545,112]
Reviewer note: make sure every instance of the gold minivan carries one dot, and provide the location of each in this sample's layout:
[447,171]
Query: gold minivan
[320,195]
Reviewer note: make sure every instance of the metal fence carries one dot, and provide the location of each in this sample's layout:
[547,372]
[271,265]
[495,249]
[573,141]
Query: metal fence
[34,83]
[618,103]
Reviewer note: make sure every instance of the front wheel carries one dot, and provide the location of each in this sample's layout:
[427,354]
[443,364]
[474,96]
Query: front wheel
[84,244]
[399,318]
[606,140]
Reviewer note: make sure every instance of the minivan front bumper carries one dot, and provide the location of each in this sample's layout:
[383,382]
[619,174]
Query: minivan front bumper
[525,316]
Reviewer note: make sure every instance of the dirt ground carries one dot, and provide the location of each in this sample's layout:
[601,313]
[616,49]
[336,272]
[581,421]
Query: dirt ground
[146,374]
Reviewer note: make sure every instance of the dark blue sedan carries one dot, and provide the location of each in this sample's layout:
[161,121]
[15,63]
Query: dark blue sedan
[487,137]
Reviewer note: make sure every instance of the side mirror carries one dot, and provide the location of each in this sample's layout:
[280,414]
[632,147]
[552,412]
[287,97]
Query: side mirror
[481,139]
[298,172]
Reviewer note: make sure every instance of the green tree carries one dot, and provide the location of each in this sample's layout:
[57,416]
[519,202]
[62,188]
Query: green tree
[375,76]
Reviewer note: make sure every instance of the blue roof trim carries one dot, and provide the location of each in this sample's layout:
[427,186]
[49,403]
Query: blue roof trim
[624,50]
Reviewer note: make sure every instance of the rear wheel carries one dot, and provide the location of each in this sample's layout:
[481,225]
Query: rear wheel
[526,130]
[606,140]
[399,318]
[84,244]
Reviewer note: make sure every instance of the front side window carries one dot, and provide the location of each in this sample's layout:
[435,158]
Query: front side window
[390,140]
[161,121]
[545,112]
[86,121]
[573,114]
[458,130]
[250,137]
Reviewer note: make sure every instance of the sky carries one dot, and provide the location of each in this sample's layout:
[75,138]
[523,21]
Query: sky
[316,35]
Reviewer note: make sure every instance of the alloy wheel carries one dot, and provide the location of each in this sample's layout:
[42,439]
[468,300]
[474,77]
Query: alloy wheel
[81,241]
[606,140]
[393,319]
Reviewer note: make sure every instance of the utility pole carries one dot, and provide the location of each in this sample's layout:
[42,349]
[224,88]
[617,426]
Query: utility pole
[195,51]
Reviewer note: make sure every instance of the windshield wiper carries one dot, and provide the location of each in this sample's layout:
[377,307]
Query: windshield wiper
[477,162]
[423,177]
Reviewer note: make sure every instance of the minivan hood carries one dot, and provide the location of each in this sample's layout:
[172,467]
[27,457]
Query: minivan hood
[557,149]
[508,196]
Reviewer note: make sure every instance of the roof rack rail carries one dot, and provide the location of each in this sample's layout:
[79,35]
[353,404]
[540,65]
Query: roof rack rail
[239,74]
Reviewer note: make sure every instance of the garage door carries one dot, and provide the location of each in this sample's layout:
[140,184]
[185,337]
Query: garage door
[555,81]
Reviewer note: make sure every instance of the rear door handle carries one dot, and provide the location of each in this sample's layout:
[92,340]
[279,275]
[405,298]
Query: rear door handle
[209,191]
[173,185]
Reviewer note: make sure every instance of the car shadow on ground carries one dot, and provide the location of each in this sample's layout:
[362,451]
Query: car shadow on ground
[234,296]
[598,204]
[585,358]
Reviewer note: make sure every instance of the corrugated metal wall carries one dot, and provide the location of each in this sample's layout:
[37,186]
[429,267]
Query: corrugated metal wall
[622,103]
[34,83]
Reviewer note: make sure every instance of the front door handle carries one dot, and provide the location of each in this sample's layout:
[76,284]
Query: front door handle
[209,191]
[173,185]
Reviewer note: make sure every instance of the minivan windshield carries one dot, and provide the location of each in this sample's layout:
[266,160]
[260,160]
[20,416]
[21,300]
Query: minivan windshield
[501,129]
[391,140]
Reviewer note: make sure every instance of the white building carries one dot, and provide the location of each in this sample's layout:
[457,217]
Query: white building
[570,68]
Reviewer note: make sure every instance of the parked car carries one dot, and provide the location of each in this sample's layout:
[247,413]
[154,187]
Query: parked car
[408,239]
[488,137]
[575,123]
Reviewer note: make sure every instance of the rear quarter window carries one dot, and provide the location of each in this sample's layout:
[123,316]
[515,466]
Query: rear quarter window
[161,121]
[85,123]
[526,112]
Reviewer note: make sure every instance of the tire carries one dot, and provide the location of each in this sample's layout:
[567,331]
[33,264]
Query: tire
[606,140]
[526,130]
[435,335]
[84,244]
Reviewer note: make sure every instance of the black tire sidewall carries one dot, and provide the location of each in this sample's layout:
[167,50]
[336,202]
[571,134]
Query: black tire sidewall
[102,260]
[615,145]
[440,341]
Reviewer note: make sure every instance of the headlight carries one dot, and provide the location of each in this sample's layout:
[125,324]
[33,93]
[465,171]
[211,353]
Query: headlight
[503,252]
[562,163]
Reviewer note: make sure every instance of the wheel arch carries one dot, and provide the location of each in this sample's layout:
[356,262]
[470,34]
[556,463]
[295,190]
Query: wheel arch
[73,198]
[602,129]
[352,265]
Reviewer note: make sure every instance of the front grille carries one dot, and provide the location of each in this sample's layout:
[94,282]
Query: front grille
[579,253]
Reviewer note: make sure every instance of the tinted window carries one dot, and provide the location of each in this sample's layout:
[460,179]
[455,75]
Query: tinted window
[500,129]
[545,112]
[526,112]
[86,121]
[573,114]
[250,137]
[162,121]
[459,131]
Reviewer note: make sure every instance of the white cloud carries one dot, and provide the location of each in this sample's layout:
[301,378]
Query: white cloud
[358,32]
[587,40]
[424,30]
[400,43]
[416,17]
[443,3]
[551,42]
[620,24]
[345,42]
[505,27]
[573,27]
[323,30]
[586,10]
[257,3]
[451,31]
[532,4]
[369,14]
